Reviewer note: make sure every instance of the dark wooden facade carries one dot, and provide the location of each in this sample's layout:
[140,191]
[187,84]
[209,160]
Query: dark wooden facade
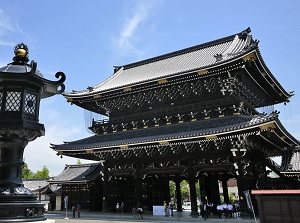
[190,114]
[278,205]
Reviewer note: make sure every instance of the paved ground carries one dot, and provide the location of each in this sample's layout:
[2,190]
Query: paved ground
[98,217]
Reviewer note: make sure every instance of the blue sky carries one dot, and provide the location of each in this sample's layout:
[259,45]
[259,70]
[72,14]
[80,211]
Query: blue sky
[85,39]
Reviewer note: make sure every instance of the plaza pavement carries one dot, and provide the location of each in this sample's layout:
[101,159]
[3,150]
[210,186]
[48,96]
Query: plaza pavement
[99,217]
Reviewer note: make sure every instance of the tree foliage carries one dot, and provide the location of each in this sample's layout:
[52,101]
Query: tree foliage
[184,188]
[26,172]
[172,187]
[78,161]
[231,198]
[44,173]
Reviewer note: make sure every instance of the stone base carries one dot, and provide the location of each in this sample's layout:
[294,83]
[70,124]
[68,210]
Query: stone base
[22,212]
[46,221]
[18,204]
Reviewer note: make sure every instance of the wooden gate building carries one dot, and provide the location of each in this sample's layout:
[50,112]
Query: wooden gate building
[192,114]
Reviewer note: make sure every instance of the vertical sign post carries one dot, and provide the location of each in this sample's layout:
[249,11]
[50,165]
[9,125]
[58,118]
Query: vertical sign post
[249,203]
[66,206]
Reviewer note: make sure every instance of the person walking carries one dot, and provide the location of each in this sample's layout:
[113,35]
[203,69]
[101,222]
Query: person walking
[165,208]
[73,210]
[140,212]
[78,207]
[122,207]
[117,207]
[205,211]
[171,209]
[230,209]
[220,210]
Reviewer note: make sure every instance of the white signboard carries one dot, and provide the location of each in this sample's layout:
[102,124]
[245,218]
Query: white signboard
[66,201]
[159,210]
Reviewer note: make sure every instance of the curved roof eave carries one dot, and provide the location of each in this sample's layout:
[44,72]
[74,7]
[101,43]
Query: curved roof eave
[31,74]
[284,131]
[271,76]
[220,135]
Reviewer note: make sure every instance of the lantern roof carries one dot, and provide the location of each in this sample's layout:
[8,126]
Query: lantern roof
[20,70]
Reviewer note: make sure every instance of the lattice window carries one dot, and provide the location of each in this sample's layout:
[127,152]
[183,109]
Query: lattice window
[1,98]
[30,103]
[13,101]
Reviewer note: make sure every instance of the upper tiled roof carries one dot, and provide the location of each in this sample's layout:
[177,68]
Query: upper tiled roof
[168,132]
[80,173]
[186,60]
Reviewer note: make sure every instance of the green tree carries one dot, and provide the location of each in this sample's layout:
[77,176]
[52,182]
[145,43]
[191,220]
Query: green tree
[172,187]
[221,199]
[231,198]
[185,190]
[198,189]
[44,173]
[26,172]
[78,161]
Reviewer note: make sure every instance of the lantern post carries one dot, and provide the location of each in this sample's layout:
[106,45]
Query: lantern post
[22,87]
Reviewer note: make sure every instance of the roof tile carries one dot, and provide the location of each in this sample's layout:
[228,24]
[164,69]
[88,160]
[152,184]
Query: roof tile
[193,58]
[167,132]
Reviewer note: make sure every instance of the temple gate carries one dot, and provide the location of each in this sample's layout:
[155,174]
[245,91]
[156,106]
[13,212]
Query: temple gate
[193,114]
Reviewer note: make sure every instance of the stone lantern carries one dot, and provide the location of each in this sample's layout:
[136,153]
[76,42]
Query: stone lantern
[22,87]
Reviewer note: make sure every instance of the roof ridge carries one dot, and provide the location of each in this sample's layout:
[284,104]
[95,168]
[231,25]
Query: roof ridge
[82,165]
[241,34]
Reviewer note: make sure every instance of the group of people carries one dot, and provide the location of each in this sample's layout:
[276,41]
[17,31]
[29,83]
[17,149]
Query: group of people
[206,209]
[168,208]
[228,210]
[120,208]
[76,208]
[224,210]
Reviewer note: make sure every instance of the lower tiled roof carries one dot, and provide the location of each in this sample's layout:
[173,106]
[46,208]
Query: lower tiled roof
[35,184]
[80,173]
[294,164]
[167,132]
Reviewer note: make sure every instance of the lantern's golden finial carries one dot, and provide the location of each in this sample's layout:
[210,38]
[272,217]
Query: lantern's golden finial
[21,53]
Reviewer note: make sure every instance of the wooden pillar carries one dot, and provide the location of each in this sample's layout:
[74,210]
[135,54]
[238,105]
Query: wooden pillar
[202,188]
[241,189]
[214,189]
[238,153]
[105,186]
[211,189]
[225,190]
[192,184]
[138,185]
[178,195]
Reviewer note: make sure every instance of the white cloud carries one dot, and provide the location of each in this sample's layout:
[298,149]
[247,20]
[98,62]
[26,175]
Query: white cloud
[129,30]
[8,29]
[5,43]
[61,124]
[38,152]
[131,25]
[5,23]
[5,27]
